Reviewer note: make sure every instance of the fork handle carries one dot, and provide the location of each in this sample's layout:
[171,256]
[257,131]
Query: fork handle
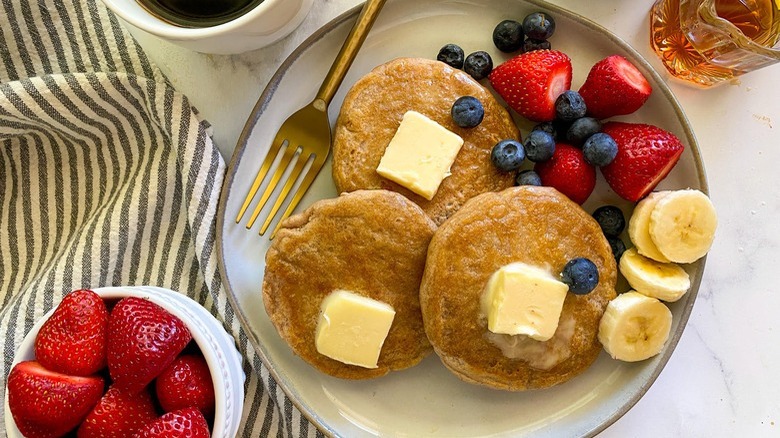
[348,52]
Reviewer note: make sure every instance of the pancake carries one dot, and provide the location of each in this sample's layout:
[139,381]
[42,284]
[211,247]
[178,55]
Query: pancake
[372,243]
[535,225]
[372,111]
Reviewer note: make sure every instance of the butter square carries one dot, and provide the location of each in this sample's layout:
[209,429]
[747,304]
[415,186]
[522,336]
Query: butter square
[352,328]
[420,154]
[524,300]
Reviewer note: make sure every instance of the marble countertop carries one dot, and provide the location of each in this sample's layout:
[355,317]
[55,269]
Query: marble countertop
[722,378]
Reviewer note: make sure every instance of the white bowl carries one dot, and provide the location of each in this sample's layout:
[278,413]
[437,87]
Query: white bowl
[265,24]
[217,346]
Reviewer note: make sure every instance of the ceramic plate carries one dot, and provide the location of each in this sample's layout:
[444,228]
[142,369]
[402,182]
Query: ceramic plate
[427,400]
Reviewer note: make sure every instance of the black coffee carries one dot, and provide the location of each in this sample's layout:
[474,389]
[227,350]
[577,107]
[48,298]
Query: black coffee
[198,13]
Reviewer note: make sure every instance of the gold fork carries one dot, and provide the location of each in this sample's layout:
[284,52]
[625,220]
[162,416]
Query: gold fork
[307,130]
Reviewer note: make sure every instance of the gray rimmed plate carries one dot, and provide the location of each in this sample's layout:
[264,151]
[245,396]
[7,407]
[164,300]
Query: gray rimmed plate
[427,400]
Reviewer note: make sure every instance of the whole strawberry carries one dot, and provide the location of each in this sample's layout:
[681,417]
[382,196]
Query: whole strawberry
[118,415]
[186,383]
[614,87]
[646,154]
[184,423]
[530,82]
[73,340]
[45,403]
[568,172]
[143,339]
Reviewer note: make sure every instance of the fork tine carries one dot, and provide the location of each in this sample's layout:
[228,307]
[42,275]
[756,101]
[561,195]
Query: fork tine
[286,158]
[299,165]
[273,151]
[319,160]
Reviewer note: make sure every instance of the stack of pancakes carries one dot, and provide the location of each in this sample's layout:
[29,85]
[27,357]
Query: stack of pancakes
[381,240]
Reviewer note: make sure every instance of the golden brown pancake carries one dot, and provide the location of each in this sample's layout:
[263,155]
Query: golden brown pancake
[373,109]
[370,242]
[535,225]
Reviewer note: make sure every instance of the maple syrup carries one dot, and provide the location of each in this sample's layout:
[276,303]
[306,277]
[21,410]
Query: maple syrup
[695,45]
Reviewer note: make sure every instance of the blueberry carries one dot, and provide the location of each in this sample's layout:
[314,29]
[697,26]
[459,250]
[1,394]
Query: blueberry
[531,44]
[618,247]
[538,26]
[599,149]
[467,112]
[547,127]
[508,155]
[508,36]
[570,106]
[581,129]
[581,275]
[478,65]
[528,178]
[452,55]
[610,219]
[539,146]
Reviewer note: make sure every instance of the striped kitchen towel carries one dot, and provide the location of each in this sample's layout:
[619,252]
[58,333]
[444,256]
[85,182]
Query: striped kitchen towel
[107,178]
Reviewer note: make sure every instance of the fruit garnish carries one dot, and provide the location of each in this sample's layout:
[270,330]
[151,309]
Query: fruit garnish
[508,36]
[581,129]
[531,82]
[528,178]
[46,403]
[639,227]
[539,26]
[539,146]
[73,340]
[568,172]
[507,155]
[600,149]
[186,383]
[634,327]
[646,154]
[581,275]
[570,106]
[665,281]
[618,247]
[611,220]
[614,87]
[143,339]
[682,225]
[478,65]
[119,414]
[184,423]
[467,112]
[531,44]
[452,55]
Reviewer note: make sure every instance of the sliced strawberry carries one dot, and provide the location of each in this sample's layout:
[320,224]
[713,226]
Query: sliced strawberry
[73,340]
[646,154]
[530,82]
[119,414]
[184,423]
[48,404]
[186,383]
[568,172]
[143,339]
[614,87]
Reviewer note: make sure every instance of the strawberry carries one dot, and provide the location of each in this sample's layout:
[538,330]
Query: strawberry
[73,340]
[646,154]
[118,414]
[143,339]
[185,423]
[186,383]
[614,87]
[47,403]
[530,82]
[568,172]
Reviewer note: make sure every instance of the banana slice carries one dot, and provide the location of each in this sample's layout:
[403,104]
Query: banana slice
[682,225]
[639,226]
[634,327]
[665,281]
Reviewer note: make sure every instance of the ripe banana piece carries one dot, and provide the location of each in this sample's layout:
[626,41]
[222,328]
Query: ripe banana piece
[639,226]
[682,225]
[634,327]
[665,281]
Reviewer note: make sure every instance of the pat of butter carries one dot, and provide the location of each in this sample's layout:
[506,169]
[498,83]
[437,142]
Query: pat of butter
[524,300]
[420,154]
[352,328]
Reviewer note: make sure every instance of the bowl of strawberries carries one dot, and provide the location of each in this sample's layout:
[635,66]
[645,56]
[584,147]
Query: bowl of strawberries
[125,362]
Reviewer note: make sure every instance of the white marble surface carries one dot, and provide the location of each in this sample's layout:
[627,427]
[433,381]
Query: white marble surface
[722,379]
